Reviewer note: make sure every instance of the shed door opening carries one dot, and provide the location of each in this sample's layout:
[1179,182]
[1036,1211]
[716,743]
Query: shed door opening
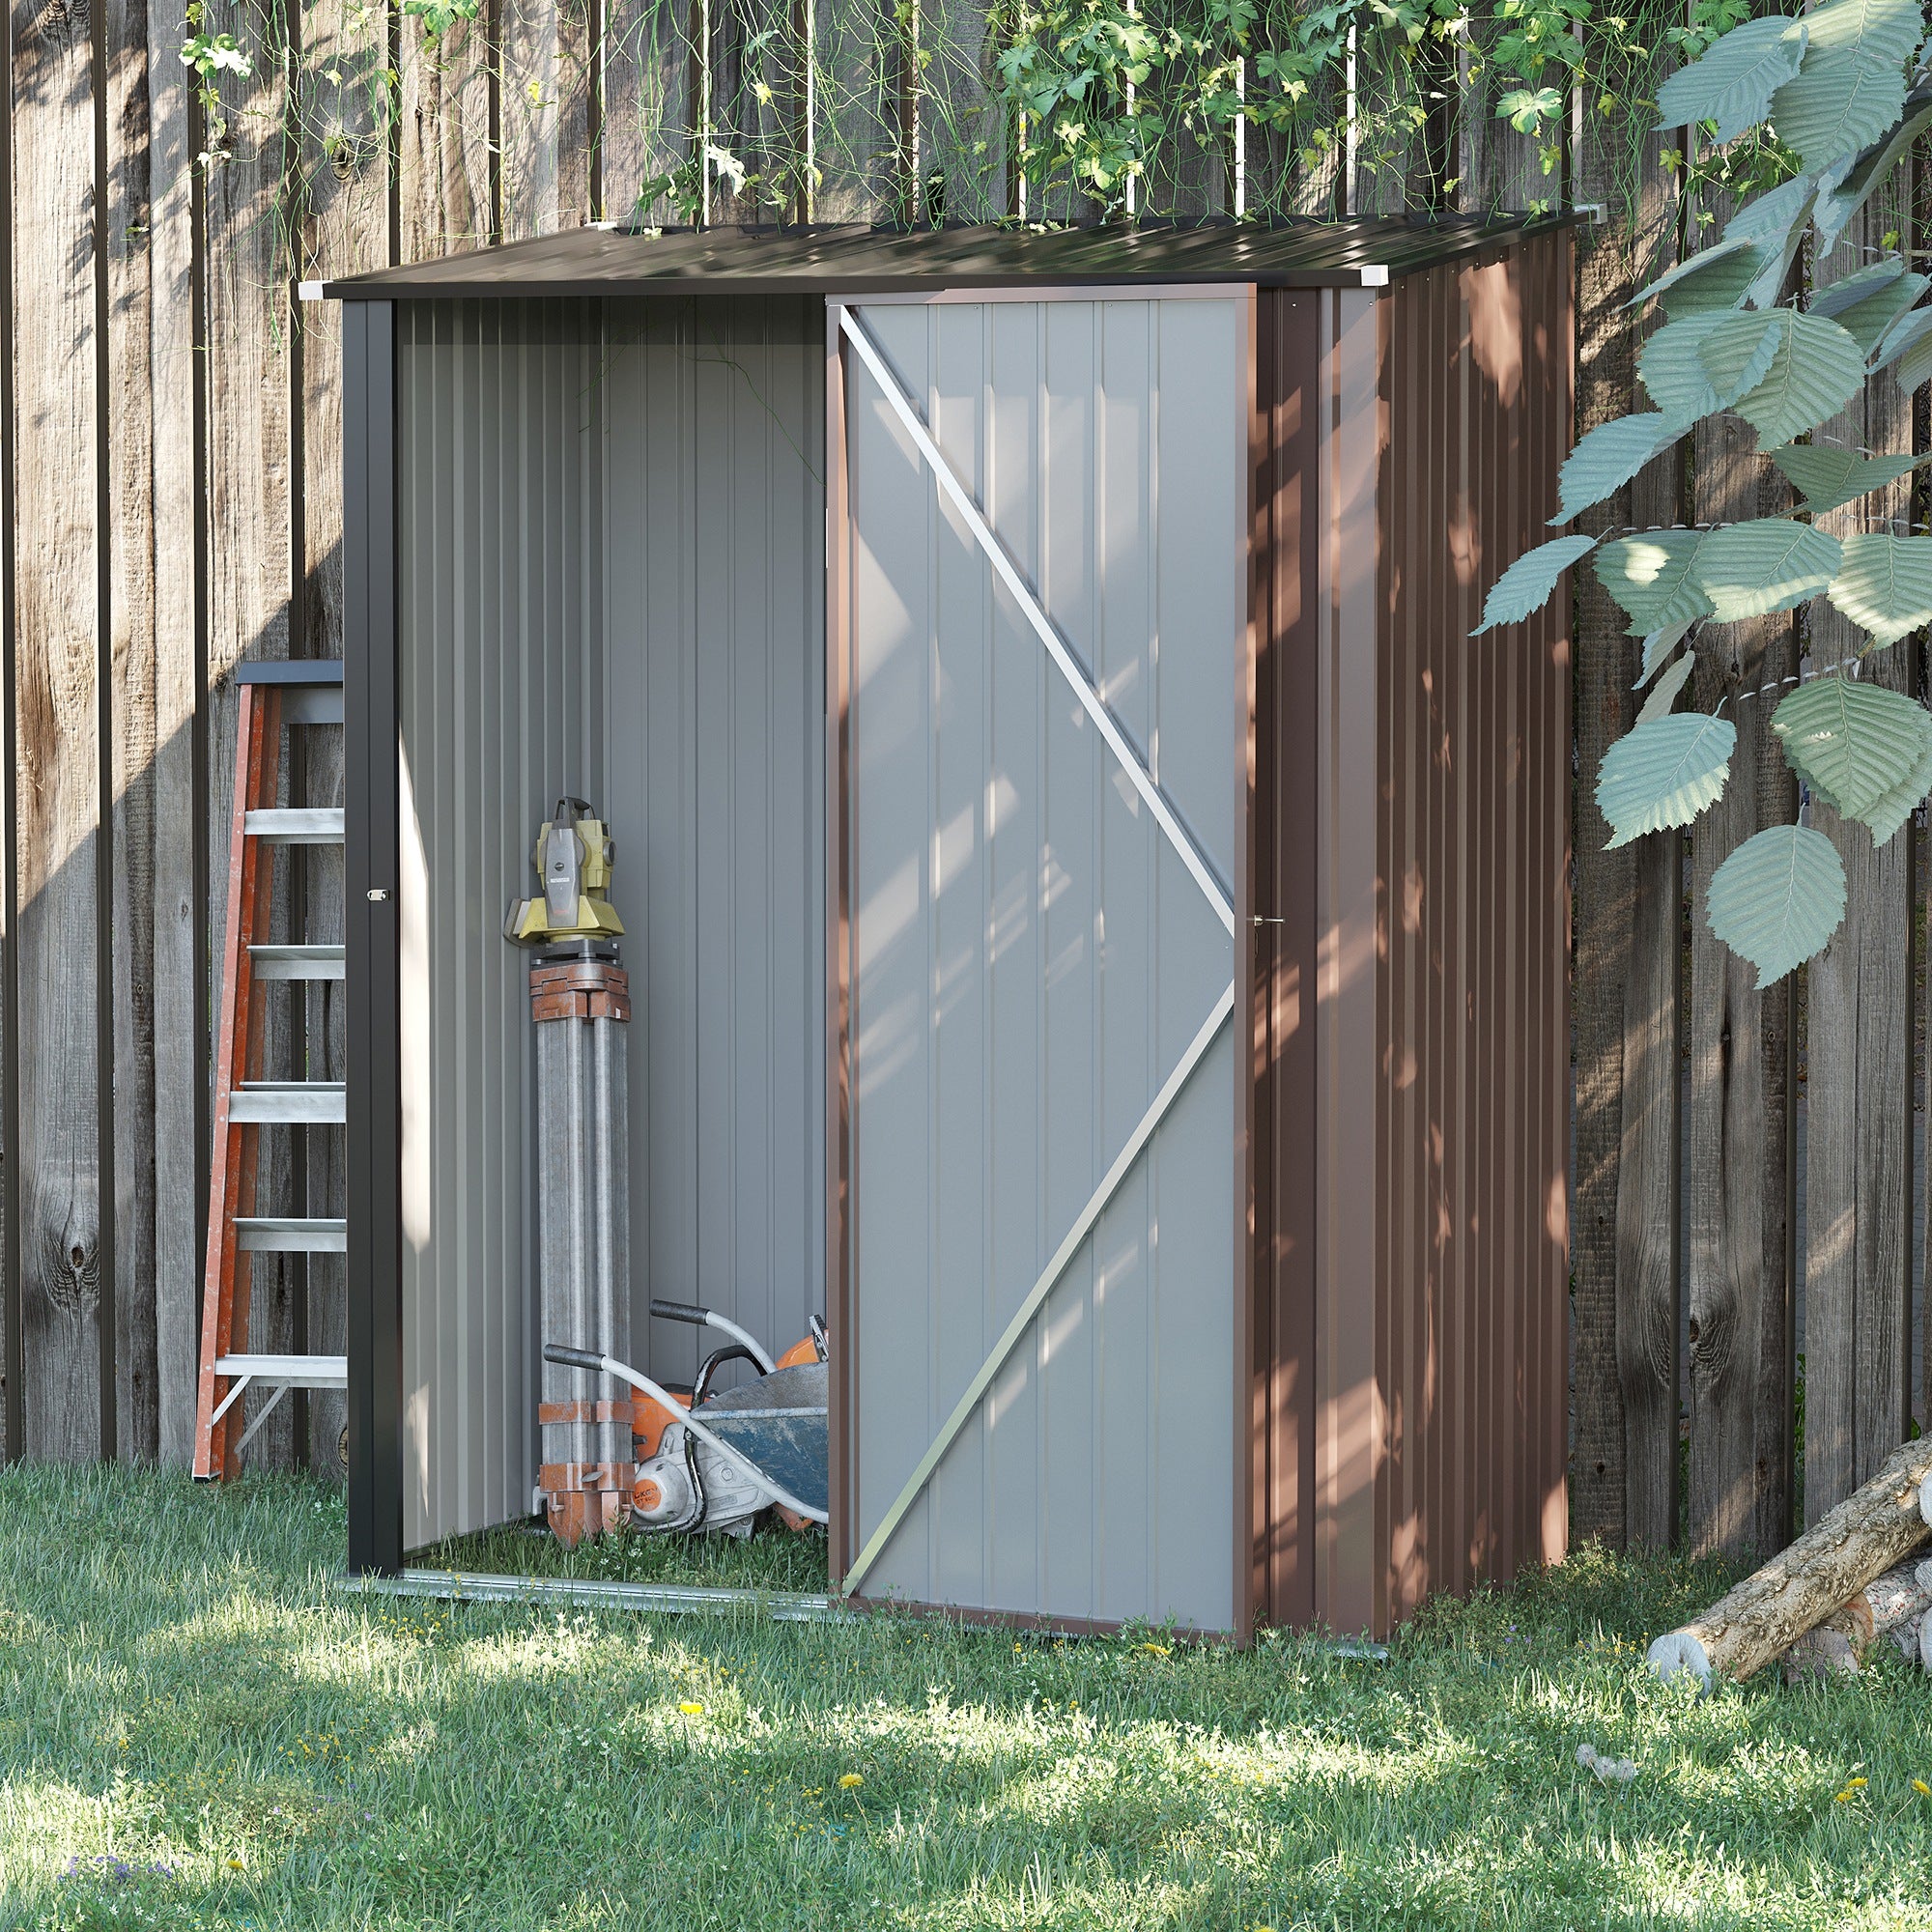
[1032,941]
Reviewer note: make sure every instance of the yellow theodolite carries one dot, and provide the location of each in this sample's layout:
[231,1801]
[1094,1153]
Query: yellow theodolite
[574,855]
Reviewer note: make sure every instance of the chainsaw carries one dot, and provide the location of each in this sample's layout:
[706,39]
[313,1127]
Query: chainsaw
[715,1462]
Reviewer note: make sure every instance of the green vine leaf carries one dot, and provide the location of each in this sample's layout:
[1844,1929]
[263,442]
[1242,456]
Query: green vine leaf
[1828,478]
[1608,457]
[1777,221]
[1777,900]
[1850,89]
[1663,773]
[1856,742]
[1650,576]
[1813,370]
[1525,585]
[1734,83]
[1885,584]
[1658,704]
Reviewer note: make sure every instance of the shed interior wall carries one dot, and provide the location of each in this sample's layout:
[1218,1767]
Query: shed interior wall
[611,559]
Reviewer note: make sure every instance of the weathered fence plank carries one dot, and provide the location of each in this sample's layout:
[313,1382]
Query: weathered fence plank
[343,229]
[251,522]
[648,110]
[181,1068]
[56,638]
[445,195]
[1858,1263]
[545,116]
[1740,1166]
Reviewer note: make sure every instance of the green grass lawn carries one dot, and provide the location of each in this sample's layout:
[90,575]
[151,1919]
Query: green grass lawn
[197,1729]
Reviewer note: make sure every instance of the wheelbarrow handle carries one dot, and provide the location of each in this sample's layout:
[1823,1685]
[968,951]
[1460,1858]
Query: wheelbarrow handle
[572,1358]
[680,1311]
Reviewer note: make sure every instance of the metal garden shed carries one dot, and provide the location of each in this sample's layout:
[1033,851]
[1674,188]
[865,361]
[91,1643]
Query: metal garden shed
[1097,921]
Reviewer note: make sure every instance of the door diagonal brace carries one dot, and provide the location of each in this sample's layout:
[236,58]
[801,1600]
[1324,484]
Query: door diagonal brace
[1083,1226]
[1009,573]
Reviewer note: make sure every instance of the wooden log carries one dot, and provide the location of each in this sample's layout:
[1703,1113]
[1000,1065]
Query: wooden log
[1858,1262]
[1797,1589]
[55,630]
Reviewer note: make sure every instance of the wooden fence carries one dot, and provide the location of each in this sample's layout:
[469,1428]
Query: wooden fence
[171,424]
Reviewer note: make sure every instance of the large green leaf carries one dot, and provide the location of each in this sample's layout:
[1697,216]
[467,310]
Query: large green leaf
[1649,574]
[1888,812]
[1908,343]
[1713,279]
[1850,89]
[1777,899]
[1658,704]
[1813,369]
[1672,367]
[1777,219]
[1885,584]
[1608,457]
[1657,647]
[1829,477]
[1855,741]
[1866,304]
[1733,83]
[1663,773]
[1838,204]
[1747,570]
[1525,585]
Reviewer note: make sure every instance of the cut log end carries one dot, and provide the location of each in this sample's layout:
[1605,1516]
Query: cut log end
[1679,1654]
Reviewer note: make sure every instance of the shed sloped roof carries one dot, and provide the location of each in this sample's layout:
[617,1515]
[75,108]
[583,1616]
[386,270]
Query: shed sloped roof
[802,261]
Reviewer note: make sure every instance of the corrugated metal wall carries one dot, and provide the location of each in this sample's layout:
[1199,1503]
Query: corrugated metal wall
[1415,440]
[1028,957]
[613,570]
[1472,842]
[716,788]
[502,676]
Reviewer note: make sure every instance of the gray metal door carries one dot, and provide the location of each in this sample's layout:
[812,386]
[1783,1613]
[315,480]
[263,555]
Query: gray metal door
[1039,686]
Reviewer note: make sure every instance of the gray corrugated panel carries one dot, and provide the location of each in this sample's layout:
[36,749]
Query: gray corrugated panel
[500,618]
[1030,959]
[715,721]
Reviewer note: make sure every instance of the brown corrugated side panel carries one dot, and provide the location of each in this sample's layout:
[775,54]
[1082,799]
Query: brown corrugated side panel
[1466,1191]
[1473,856]
[1282,1031]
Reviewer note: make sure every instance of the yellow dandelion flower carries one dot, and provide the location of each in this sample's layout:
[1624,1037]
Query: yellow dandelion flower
[238,1864]
[1842,1798]
[1923,1789]
[1154,1649]
[851,1782]
[692,1710]
[1855,1784]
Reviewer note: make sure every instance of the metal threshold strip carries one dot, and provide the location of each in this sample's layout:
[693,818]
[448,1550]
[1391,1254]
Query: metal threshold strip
[674,1599]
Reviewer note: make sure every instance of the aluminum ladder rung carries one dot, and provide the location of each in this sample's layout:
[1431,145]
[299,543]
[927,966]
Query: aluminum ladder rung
[309,1372]
[281,1373]
[285,1235]
[295,825]
[298,962]
[287,1103]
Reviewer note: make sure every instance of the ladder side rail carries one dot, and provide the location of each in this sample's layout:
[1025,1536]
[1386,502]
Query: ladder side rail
[257,743]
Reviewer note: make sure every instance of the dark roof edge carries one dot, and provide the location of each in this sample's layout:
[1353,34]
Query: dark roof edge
[492,272]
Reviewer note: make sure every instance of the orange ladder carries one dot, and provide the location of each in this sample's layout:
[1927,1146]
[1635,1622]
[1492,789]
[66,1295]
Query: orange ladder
[296,692]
